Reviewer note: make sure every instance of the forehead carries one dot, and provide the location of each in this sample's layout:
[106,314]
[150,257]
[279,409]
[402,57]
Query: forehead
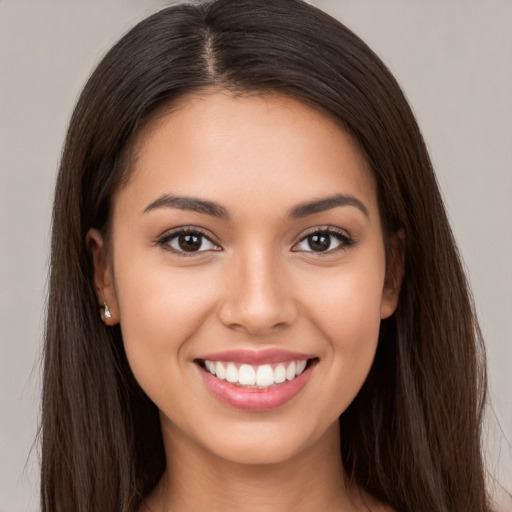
[270,147]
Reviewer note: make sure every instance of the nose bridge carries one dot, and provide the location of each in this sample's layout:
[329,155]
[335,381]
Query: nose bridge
[258,298]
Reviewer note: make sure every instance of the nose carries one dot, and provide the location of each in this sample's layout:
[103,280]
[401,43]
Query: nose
[258,296]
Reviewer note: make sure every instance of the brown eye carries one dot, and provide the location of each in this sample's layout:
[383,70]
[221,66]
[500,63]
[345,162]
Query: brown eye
[319,242]
[187,242]
[325,240]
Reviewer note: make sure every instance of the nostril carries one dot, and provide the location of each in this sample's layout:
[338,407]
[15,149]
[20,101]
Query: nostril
[257,319]
[257,300]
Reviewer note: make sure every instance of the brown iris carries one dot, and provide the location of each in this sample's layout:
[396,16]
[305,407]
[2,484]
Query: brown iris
[189,242]
[320,241]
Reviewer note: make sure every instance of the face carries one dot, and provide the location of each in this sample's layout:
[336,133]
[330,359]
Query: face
[248,274]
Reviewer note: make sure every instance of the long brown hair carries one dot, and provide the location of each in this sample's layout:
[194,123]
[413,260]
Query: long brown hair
[412,435]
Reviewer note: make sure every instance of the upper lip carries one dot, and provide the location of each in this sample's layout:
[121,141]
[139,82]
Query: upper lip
[256,357]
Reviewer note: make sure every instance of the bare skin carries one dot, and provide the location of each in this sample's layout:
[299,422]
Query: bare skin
[265,273]
[259,488]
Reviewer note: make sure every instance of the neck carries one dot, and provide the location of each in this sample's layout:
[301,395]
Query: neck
[197,479]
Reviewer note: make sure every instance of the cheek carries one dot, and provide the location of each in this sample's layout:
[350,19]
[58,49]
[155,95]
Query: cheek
[347,312]
[351,322]
[160,311]
[346,303]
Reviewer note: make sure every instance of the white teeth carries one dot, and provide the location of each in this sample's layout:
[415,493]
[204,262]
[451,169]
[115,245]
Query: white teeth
[246,375]
[300,367]
[232,373]
[261,376]
[220,371]
[279,374]
[290,371]
[210,366]
[265,375]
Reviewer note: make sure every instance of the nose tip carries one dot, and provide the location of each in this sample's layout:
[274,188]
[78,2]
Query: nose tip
[257,302]
[255,317]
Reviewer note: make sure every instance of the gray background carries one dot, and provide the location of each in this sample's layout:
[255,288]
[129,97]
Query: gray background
[452,57]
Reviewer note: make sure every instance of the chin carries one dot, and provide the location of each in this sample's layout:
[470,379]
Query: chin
[258,452]
[267,443]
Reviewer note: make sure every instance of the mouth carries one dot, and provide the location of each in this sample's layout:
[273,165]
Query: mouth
[256,376]
[255,382]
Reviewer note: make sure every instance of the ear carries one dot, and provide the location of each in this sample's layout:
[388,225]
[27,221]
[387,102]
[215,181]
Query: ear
[395,269]
[103,282]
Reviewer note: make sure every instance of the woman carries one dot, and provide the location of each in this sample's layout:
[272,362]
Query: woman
[256,302]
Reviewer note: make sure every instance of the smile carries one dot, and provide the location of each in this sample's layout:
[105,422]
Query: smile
[259,377]
[256,381]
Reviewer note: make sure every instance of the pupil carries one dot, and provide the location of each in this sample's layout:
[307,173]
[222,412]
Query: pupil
[319,241]
[189,242]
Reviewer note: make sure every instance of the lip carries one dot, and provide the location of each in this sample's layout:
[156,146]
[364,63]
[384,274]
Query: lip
[257,357]
[255,399]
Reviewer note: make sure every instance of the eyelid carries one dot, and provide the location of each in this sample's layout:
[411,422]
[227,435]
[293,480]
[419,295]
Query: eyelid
[164,239]
[342,235]
[346,240]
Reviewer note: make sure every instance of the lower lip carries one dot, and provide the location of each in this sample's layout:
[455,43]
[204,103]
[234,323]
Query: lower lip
[254,399]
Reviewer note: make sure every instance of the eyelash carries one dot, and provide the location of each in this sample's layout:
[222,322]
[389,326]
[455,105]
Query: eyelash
[341,236]
[165,240]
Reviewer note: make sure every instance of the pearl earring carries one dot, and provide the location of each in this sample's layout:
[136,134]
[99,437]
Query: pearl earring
[106,312]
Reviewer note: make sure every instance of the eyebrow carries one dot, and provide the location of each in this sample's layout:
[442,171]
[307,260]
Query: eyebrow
[215,210]
[326,203]
[188,203]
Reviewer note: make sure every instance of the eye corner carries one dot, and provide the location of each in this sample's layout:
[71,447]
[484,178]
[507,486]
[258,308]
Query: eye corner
[170,242]
[328,233]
